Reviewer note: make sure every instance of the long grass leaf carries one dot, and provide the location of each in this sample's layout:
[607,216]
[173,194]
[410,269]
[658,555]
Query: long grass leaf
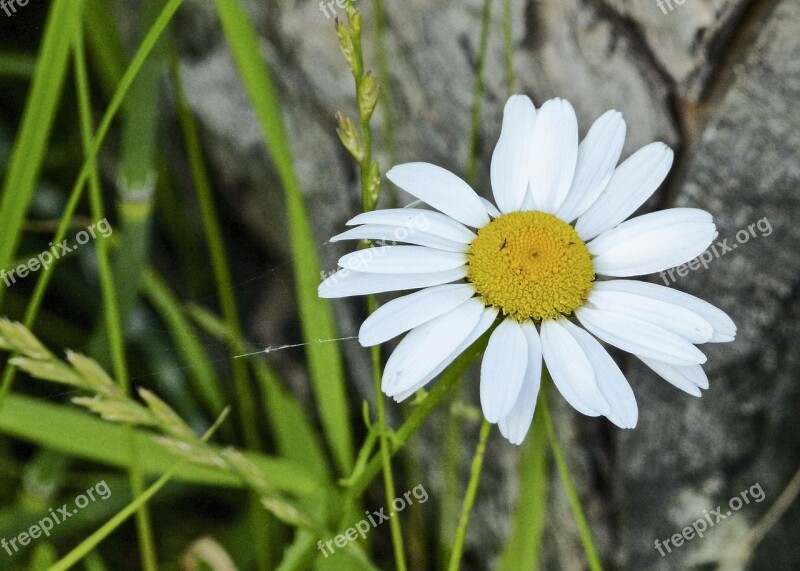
[104,43]
[75,433]
[522,550]
[325,360]
[37,120]
[105,124]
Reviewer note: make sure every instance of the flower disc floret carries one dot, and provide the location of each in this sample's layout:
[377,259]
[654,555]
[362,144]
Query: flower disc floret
[530,265]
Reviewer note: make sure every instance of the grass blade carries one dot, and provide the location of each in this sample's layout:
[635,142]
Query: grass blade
[105,124]
[76,433]
[525,540]
[37,120]
[325,360]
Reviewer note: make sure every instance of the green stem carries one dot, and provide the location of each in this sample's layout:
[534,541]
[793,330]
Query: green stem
[386,455]
[35,304]
[451,453]
[42,103]
[572,495]
[469,497]
[522,550]
[384,80]
[110,303]
[369,199]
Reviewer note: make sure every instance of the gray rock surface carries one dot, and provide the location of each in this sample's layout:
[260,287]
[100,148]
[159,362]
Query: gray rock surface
[717,79]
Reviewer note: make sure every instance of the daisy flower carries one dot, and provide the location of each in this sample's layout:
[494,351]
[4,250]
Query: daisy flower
[540,266]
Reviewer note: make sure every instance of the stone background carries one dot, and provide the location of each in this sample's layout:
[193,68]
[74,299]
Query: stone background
[718,80]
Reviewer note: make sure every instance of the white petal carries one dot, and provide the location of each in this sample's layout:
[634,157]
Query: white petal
[345,283]
[639,337]
[689,379]
[598,154]
[487,318]
[695,374]
[511,157]
[515,425]
[491,209]
[652,242]
[442,190]
[554,153]
[426,346]
[502,369]
[633,183]
[428,221]
[612,383]
[571,370]
[674,318]
[527,202]
[402,260]
[409,311]
[400,234]
[724,327]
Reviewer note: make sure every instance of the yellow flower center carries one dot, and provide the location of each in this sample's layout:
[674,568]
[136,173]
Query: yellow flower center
[530,265]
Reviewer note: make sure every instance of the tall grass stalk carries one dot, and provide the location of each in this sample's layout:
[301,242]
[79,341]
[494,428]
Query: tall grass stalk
[423,409]
[350,38]
[110,302]
[384,81]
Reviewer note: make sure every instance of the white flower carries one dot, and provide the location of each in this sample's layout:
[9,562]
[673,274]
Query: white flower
[532,264]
